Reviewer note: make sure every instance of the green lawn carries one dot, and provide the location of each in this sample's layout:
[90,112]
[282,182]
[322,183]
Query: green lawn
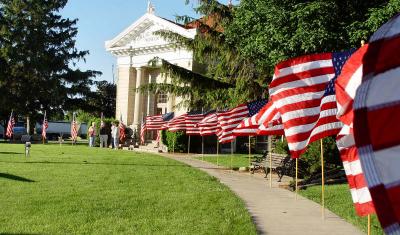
[238,160]
[77,190]
[338,200]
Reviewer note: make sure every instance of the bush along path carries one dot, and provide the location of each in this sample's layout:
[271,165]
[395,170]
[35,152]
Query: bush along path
[274,210]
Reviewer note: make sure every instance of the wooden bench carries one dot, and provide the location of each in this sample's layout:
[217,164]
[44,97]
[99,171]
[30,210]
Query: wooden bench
[281,164]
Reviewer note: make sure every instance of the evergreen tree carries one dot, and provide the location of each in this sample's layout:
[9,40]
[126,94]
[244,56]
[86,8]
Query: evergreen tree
[37,58]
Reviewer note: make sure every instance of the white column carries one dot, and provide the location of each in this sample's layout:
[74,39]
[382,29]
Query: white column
[149,110]
[138,100]
[170,103]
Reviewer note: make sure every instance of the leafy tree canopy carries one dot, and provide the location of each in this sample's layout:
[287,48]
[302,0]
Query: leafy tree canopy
[37,58]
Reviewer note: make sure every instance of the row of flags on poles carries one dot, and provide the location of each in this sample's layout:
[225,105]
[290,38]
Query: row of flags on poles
[74,127]
[352,95]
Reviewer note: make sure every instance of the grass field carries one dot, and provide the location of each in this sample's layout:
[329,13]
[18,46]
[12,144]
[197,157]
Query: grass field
[338,200]
[238,160]
[77,190]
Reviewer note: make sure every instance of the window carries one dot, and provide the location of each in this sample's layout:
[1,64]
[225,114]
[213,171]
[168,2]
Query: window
[162,98]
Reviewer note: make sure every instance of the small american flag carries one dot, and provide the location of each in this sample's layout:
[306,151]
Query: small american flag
[209,125]
[376,122]
[74,128]
[305,99]
[142,133]
[122,135]
[229,120]
[45,125]
[177,123]
[192,120]
[10,126]
[253,125]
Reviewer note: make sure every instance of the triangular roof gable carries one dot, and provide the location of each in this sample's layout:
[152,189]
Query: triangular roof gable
[137,27]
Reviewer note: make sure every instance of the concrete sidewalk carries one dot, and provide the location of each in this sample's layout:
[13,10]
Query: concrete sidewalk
[274,210]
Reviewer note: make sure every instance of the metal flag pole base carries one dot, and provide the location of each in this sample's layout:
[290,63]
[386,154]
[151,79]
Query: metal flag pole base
[322,182]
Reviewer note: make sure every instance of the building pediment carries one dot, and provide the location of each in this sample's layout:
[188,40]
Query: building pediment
[140,35]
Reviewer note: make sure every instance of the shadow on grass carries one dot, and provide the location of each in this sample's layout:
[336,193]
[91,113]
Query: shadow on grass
[10,153]
[100,163]
[15,177]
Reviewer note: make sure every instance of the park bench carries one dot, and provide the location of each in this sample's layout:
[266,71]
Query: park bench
[281,164]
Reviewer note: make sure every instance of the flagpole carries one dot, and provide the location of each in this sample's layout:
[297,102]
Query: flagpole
[173,145]
[189,145]
[297,179]
[217,152]
[270,159]
[202,148]
[232,155]
[369,225]
[322,181]
[249,153]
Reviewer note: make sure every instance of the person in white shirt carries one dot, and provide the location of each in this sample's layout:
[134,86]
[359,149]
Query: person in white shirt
[115,135]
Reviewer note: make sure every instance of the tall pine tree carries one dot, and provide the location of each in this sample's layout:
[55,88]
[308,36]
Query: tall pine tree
[37,54]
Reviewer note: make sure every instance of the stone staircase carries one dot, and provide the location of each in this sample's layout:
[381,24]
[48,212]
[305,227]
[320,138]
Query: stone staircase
[151,146]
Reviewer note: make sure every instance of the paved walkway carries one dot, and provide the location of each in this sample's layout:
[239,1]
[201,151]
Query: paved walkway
[275,210]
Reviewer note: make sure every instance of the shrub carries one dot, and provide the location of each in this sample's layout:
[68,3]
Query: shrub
[310,162]
[175,140]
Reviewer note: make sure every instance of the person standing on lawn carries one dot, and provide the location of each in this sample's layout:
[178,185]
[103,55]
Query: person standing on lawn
[115,134]
[92,134]
[103,135]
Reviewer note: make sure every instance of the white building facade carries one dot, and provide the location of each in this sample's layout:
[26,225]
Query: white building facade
[133,49]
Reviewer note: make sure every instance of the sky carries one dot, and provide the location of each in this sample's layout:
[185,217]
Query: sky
[102,20]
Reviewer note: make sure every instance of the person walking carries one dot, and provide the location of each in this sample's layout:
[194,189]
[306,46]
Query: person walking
[115,134]
[92,134]
[103,136]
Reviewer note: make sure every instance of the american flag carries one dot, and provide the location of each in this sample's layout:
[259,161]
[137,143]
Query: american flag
[270,121]
[209,125]
[45,125]
[253,125]
[142,133]
[10,126]
[305,99]
[346,86]
[376,123]
[192,120]
[229,120]
[74,128]
[122,135]
[177,123]
[156,122]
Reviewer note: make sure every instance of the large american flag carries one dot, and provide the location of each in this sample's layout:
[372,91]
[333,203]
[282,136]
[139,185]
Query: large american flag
[229,120]
[10,126]
[74,128]
[209,125]
[192,120]
[376,123]
[305,99]
[346,85]
[45,125]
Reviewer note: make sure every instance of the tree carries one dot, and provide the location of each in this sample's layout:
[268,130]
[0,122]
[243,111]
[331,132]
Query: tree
[268,32]
[37,54]
[103,100]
